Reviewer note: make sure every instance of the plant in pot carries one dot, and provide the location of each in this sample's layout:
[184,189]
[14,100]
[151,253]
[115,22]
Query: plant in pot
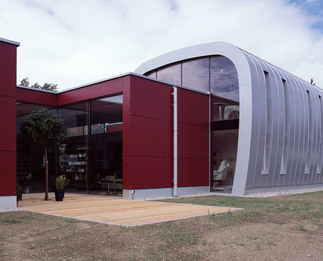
[18,192]
[61,184]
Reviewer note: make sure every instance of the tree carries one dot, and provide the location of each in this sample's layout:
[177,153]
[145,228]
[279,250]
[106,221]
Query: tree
[312,81]
[25,82]
[44,127]
[47,86]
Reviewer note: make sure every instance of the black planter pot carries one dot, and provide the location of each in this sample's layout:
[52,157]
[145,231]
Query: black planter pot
[59,195]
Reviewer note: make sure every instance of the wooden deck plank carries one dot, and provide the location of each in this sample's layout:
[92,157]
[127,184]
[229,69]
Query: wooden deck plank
[115,210]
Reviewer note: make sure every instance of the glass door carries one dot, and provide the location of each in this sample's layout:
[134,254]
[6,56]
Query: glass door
[106,146]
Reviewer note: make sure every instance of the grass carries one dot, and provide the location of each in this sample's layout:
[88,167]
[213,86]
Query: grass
[261,231]
[255,209]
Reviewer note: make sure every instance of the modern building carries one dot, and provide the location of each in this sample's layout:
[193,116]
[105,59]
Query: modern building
[208,118]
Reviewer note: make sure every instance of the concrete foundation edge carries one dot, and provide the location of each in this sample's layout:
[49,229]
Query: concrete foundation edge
[8,202]
[157,193]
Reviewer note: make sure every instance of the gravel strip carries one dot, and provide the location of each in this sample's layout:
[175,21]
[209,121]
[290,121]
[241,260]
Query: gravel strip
[9,209]
[283,193]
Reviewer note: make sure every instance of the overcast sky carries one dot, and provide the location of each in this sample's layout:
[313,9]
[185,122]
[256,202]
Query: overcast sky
[73,42]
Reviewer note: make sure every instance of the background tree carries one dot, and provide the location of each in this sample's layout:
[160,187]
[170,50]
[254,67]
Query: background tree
[312,81]
[44,127]
[46,86]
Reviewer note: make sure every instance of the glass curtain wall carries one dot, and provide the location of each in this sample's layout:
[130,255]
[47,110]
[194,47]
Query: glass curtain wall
[30,156]
[73,153]
[214,74]
[106,145]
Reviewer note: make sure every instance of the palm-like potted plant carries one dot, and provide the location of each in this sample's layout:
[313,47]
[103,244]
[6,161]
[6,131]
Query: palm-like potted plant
[61,184]
[45,127]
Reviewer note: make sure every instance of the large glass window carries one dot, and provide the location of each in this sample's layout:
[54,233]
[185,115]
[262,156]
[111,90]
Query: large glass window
[152,74]
[170,74]
[196,74]
[73,153]
[224,78]
[30,156]
[214,74]
[224,142]
[106,145]
[223,109]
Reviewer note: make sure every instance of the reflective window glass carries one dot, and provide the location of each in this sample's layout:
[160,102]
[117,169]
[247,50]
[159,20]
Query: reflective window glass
[73,153]
[171,74]
[223,109]
[30,166]
[106,145]
[195,74]
[224,78]
[151,74]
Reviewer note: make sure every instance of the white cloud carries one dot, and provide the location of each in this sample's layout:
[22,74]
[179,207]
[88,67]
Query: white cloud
[78,41]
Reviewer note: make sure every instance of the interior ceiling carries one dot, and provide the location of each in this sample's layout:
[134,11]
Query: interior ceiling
[97,106]
[25,108]
[106,107]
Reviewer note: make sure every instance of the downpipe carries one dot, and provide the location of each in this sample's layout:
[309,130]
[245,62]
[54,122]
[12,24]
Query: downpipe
[175,150]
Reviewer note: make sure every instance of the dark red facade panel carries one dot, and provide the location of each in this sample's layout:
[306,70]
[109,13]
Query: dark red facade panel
[8,173]
[151,99]
[8,123]
[148,146]
[94,91]
[151,137]
[150,172]
[8,119]
[193,172]
[31,95]
[193,108]
[7,69]
[193,139]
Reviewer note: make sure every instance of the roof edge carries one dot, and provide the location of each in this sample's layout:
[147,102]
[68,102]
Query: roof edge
[9,41]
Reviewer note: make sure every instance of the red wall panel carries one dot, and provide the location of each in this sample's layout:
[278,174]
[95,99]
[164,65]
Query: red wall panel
[7,69]
[151,99]
[193,172]
[8,123]
[93,91]
[31,95]
[8,173]
[151,137]
[150,172]
[193,139]
[8,119]
[193,108]
[126,134]
[149,141]
[147,135]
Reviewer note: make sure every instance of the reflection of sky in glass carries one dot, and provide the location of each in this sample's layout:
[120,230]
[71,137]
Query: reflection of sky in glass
[196,74]
[151,74]
[200,73]
[224,78]
[170,74]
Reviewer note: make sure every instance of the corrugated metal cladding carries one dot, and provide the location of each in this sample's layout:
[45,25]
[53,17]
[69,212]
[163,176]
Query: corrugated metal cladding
[287,125]
[281,121]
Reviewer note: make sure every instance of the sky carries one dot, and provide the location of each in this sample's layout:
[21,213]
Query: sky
[75,42]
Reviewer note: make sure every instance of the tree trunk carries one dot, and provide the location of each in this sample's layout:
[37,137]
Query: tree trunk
[46,167]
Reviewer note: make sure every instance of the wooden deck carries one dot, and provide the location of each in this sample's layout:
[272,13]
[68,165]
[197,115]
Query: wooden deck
[114,210]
